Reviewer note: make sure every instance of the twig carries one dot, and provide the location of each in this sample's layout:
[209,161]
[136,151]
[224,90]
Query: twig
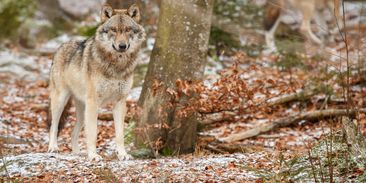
[286,121]
[312,166]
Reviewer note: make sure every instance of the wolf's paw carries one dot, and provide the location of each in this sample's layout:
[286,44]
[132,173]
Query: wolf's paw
[94,157]
[76,150]
[269,51]
[124,156]
[52,149]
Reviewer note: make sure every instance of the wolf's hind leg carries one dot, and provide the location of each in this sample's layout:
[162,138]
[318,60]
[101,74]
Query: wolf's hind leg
[321,23]
[270,37]
[80,110]
[306,24]
[119,113]
[58,102]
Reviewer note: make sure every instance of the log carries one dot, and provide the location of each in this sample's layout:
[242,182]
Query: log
[286,121]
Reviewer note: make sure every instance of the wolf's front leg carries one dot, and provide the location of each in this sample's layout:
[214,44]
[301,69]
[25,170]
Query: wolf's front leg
[91,117]
[119,113]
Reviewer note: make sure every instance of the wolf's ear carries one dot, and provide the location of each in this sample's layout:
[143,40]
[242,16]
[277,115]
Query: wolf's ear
[106,13]
[134,12]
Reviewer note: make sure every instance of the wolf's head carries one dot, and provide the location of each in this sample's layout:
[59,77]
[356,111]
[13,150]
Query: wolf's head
[119,30]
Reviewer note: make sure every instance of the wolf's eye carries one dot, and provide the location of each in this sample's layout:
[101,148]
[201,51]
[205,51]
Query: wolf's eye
[104,30]
[135,31]
[113,30]
[128,29]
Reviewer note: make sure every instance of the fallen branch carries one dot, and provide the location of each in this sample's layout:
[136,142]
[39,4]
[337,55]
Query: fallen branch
[13,140]
[301,95]
[215,117]
[215,149]
[286,121]
[228,115]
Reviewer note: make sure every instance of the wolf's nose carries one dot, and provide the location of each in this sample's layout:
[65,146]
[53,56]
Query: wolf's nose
[122,46]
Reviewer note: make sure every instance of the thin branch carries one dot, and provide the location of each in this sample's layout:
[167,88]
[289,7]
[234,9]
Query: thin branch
[286,121]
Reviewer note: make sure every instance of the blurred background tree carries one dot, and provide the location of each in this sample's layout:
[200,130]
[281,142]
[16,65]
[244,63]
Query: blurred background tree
[121,4]
[13,14]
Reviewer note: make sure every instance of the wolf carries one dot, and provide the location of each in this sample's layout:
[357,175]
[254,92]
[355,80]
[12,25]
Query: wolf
[308,8]
[94,72]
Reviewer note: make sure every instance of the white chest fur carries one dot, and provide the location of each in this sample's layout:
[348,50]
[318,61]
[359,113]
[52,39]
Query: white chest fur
[111,90]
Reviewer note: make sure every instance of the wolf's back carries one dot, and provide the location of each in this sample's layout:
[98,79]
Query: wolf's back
[69,52]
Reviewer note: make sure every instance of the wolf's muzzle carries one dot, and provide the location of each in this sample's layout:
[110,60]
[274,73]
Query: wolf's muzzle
[122,47]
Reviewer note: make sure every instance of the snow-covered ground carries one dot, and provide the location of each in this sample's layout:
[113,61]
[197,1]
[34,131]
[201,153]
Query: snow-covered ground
[222,168]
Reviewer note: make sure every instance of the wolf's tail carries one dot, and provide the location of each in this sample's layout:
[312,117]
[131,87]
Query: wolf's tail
[272,13]
[63,117]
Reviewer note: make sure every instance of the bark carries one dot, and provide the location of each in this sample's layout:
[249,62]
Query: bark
[179,53]
[282,122]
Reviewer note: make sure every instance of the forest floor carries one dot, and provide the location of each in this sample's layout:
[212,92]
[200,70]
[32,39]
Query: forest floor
[24,135]
[266,156]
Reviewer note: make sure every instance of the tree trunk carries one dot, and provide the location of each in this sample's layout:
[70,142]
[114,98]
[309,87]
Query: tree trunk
[53,11]
[180,52]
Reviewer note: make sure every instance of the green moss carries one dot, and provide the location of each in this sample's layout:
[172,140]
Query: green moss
[222,42]
[219,36]
[142,153]
[166,151]
[240,12]
[13,14]
[289,60]
[87,31]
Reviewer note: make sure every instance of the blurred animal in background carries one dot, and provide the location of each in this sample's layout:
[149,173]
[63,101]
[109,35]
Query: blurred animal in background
[310,9]
[93,72]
